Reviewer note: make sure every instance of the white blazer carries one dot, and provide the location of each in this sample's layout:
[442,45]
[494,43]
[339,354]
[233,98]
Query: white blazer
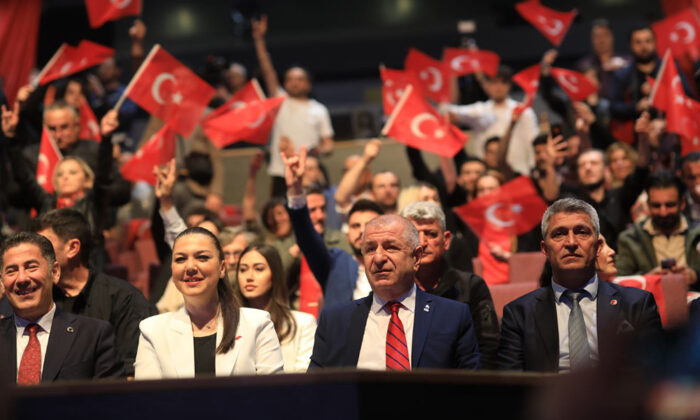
[296,350]
[166,346]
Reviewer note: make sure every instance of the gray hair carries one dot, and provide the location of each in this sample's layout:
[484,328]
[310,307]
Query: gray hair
[60,105]
[570,205]
[425,210]
[228,234]
[238,68]
[409,232]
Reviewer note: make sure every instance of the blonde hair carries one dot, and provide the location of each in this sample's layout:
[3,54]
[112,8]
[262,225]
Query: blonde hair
[89,174]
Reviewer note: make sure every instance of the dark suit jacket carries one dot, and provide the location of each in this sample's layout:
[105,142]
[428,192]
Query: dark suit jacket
[443,334]
[335,269]
[530,335]
[78,348]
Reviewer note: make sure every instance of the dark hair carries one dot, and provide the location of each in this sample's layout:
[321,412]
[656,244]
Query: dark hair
[214,218]
[306,71]
[18,239]
[313,189]
[267,211]
[68,224]
[494,139]
[539,140]
[664,179]
[691,157]
[470,159]
[230,307]
[639,28]
[601,23]
[504,74]
[364,204]
[278,305]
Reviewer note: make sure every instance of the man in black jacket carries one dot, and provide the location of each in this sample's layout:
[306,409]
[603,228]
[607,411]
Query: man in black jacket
[82,291]
[435,277]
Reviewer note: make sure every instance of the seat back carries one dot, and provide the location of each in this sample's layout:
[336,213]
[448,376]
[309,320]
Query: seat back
[675,289]
[502,294]
[526,267]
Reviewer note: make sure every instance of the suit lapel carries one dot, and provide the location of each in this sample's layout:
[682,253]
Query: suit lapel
[608,310]
[422,318]
[547,327]
[8,342]
[227,361]
[181,344]
[356,330]
[63,333]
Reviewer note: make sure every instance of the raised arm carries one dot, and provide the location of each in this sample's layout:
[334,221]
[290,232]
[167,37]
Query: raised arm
[137,32]
[172,221]
[248,205]
[259,29]
[349,183]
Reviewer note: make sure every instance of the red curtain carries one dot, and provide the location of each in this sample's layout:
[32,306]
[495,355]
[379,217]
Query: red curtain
[19,35]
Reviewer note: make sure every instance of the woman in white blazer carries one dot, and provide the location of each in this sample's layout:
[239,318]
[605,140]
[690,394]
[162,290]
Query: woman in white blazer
[261,285]
[211,335]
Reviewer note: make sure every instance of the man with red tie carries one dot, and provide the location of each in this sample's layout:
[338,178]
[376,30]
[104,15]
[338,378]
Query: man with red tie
[39,342]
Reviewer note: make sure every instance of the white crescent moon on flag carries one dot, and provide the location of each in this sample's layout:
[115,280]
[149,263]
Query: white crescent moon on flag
[259,121]
[493,219]
[625,280]
[552,27]
[689,32]
[437,79]
[569,81]
[416,122]
[66,67]
[155,89]
[236,105]
[120,4]
[43,160]
[456,63]
[679,98]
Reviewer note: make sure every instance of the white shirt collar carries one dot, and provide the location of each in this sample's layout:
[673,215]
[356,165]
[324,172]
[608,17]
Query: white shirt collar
[408,301]
[591,287]
[44,322]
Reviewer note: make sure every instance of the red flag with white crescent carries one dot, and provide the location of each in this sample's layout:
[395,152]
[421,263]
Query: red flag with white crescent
[251,122]
[250,92]
[68,60]
[551,23]
[515,207]
[651,283]
[416,123]
[169,90]
[679,33]
[49,156]
[394,83]
[89,126]
[575,84]
[433,75]
[158,150]
[101,11]
[529,79]
[463,61]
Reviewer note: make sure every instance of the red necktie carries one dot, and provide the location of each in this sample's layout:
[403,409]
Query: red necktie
[30,365]
[396,348]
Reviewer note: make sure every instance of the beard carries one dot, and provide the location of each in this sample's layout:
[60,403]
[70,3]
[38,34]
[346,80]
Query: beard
[666,223]
[646,58]
[594,186]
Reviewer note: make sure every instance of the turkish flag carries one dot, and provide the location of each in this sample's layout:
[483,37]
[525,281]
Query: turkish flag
[49,156]
[250,92]
[416,123]
[463,61]
[515,207]
[575,84]
[394,83]
[433,75]
[551,23]
[251,122]
[525,104]
[529,79]
[680,33]
[651,283]
[89,126]
[158,150]
[310,291]
[668,95]
[169,90]
[69,60]
[101,11]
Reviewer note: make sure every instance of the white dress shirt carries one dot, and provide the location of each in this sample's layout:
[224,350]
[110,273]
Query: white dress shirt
[590,311]
[373,350]
[42,334]
[362,286]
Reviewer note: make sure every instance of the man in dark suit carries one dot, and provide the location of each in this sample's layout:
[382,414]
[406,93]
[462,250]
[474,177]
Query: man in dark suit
[42,343]
[575,320]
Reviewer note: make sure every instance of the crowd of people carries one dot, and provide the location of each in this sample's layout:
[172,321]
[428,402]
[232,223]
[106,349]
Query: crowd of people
[376,272]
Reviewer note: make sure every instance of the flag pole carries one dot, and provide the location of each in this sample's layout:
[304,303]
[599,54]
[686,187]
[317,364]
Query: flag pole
[143,65]
[659,76]
[48,65]
[396,110]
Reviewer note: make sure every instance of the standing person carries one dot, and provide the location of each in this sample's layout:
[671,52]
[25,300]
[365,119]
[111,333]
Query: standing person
[260,284]
[301,120]
[603,59]
[573,321]
[436,277]
[40,342]
[212,334]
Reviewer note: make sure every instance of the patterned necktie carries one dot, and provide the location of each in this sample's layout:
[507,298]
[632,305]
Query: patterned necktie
[30,365]
[579,353]
[396,348]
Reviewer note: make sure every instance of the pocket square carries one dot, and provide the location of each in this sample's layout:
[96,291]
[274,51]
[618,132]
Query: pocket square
[624,328]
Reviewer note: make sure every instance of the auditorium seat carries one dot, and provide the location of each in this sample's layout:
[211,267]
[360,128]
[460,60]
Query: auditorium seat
[526,267]
[675,288]
[502,294]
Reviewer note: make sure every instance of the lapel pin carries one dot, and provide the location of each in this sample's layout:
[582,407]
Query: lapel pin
[238,337]
[70,329]
[427,308]
[613,302]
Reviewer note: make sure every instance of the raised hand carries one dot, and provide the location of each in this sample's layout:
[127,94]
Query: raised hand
[137,32]
[23,93]
[294,170]
[371,150]
[556,148]
[10,119]
[165,180]
[643,123]
[256,162]
[259,27]
[109,122]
